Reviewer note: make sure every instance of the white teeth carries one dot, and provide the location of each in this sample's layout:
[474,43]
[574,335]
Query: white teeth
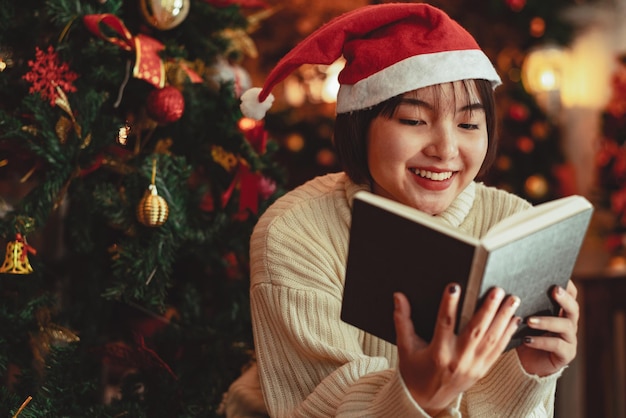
[433,176]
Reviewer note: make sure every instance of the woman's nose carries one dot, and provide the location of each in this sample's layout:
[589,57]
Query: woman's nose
[443,145]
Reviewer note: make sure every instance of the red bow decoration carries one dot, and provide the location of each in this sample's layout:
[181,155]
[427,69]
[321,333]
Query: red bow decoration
[248,190]
[148,64]
[248,181]
[138,355]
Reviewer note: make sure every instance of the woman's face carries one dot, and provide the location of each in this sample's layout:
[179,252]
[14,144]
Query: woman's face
[430,149]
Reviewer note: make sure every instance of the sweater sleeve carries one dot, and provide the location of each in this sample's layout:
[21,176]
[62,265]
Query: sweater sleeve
[508,391]
[310,362]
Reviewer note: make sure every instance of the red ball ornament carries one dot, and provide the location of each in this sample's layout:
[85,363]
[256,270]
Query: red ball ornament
[516,5]
[518,112]
[165,105]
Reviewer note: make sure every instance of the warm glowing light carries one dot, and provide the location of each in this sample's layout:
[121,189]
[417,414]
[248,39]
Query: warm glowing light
[313,84]
[295,94]
[331,84]
[542,69]
[246,124]
[588,66]
[294,142]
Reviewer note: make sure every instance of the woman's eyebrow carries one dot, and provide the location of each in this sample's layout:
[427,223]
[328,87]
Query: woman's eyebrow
[471,106]
[421,103]
[416,102]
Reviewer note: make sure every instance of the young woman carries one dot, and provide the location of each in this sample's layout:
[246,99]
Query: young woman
[415,123]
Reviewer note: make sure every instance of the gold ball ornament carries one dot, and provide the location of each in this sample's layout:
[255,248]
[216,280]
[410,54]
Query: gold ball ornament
[152,210]
[164,14]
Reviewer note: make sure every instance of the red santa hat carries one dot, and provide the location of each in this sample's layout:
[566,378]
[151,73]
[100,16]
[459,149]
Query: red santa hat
[389,49]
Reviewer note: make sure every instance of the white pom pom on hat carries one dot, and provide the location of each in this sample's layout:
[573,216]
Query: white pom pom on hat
[389,49]
[250,105]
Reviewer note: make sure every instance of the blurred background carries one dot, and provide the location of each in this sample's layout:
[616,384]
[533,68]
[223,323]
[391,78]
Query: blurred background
[129,184]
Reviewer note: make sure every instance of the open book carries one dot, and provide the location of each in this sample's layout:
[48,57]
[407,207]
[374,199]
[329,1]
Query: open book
[394,247]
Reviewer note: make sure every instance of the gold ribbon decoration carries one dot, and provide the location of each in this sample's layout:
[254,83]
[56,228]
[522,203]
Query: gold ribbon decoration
[148,64]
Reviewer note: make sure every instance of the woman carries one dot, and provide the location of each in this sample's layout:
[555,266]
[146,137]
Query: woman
[415,123]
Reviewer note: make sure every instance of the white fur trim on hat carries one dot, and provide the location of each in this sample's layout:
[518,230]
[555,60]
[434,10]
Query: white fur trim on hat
[413,73]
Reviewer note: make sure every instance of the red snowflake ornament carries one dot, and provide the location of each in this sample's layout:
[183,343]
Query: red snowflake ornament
[47,73]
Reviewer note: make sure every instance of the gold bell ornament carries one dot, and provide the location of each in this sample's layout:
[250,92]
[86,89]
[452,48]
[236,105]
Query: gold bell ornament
[152,210]
[16,259]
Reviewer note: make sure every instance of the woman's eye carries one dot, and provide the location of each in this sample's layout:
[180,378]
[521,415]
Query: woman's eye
[471,126]
[410,122]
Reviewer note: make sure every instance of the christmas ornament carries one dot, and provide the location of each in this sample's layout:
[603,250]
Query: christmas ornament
[122,135]
[49,335]
[518,112]
[239,40]
[226,159]
[16,259]
[164,14]
[148,65]
[165,105]
[179,71]
[255,133]
[6,58]
[152,210]
[267,187]
[516,5]
[64,125]
[525,144]
[226,72]
[47,74]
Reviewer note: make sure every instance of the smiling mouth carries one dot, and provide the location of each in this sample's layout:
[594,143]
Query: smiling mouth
[431,175]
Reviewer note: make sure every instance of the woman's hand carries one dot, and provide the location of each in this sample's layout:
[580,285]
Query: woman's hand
[551,352]
[436,373]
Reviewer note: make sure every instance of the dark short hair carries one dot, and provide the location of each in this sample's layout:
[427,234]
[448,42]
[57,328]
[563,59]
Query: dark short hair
[351,132]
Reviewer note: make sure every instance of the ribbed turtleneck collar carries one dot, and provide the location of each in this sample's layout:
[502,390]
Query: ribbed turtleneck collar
[460,207]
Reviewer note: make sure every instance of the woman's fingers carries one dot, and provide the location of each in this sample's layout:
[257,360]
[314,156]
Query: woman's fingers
[481,321]
[446,317]
[502,327]
[567,300]
[406,339]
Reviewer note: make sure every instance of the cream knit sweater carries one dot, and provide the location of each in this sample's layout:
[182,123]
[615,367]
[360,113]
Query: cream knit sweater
[311,364]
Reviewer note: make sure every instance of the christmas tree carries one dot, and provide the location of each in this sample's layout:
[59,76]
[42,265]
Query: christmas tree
[130,187]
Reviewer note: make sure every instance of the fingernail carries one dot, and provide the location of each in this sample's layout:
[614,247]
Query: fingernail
[518,321]
[453,289]
[497,294]
[515,302]
[533,321]
[396,302]
[528,340]
[559,290]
